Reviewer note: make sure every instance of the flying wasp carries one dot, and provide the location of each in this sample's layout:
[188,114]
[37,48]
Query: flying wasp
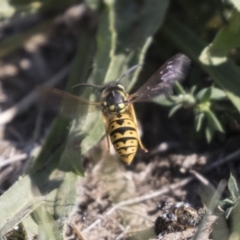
[117,105]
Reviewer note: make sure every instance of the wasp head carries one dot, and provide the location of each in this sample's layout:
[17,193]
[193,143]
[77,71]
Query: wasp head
[114,98]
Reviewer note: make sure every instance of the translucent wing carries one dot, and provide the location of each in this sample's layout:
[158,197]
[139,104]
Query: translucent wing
[68,104]
[175,69]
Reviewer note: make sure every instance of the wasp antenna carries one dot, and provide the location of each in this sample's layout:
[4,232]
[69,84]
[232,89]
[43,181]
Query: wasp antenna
[86,85]
[131,69]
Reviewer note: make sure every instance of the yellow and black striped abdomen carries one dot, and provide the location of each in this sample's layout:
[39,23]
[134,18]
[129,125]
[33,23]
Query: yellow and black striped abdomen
[123,135]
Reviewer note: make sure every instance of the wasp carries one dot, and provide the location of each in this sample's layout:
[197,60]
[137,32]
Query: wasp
[116,104]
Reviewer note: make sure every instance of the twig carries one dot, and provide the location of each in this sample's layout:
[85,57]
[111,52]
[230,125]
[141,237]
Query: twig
[203,180]
[123,233]
[165,146]
[136,213]
[221,161]
[77,231]
[13,159]
[174,186]
[26,102]
[98,221]
[152,195]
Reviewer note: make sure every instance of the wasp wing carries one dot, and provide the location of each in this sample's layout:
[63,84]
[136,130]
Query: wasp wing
[67,104]
[175,69]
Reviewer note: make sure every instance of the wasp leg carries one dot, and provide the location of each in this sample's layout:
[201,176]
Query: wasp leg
[107,135]
[132,112]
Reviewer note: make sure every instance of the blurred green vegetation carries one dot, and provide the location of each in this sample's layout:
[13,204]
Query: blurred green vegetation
[128,32]
[231,207]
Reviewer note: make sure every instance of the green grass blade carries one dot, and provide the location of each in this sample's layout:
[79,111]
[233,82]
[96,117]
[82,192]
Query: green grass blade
[233,188]
[17,203]
[198,121]
[59,130]
[48,229]
[30,227]
[66,196]
[236,3]
[227,38]
[174,109]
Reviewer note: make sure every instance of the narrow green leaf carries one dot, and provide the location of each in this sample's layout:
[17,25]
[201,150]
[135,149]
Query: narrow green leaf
[228,212]
[179,89]
[233,188]
[228,201]
[225,204]
[217,94]
[54,184]
[60,127]
[213,121]
[30,227]
[211,196]
[56,137]
[204,95]
[17,203]
[227,38]
[66,197]
[209,132]
[212,125]
[165,101]
[198,121]
[48,228]
[71,159]
[210,93]
[33,190]
[174,109]
[193,90]
[235,219]
[236,3]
